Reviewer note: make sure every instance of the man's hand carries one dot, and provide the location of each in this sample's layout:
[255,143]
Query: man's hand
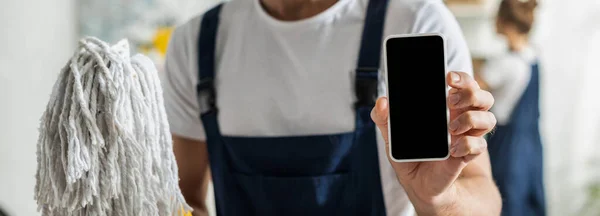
[434,187]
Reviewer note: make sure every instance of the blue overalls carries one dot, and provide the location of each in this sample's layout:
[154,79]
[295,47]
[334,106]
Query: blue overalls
[516,156]
[336,174]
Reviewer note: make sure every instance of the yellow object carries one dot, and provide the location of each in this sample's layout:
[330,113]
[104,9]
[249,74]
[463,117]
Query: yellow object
[182,212]
[161,38]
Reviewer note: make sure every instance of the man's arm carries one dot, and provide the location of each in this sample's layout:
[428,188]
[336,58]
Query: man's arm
[461,184]
[194,173]
[179,88]
[473,189]
[473,192]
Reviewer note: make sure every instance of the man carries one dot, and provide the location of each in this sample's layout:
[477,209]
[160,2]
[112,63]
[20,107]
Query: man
[516,148]
[265,93]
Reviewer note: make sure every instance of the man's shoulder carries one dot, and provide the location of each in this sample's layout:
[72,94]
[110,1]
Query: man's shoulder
[190,27]
[406,16]
[419,16]
[412,7]
[184,32]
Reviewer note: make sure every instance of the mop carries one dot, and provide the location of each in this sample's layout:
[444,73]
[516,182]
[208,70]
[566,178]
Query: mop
[104,147]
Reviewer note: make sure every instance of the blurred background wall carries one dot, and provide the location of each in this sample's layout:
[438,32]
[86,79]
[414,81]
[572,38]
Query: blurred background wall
[567,36]
[569,33]
[39,36]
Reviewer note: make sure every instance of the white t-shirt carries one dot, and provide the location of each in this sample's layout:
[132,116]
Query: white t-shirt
[507,76]
[282,78]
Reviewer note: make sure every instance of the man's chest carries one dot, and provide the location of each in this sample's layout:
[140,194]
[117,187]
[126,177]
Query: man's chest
[268,85]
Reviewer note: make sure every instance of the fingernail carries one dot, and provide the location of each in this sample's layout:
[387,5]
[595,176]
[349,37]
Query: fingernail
[381,105]
[454,125]
[452,150]
[454,98]
[455,77]
[384,102]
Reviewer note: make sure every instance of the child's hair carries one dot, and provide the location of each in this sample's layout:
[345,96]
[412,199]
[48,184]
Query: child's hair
[519,13]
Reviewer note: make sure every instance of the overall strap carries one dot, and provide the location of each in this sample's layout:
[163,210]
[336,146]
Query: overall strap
[369,57]
[366,155]
[526,111]
[206,93]
[207,42]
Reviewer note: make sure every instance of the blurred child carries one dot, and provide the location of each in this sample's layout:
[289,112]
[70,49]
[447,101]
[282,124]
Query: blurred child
[515,147]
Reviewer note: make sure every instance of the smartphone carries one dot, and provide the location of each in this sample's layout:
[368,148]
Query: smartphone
[415,68]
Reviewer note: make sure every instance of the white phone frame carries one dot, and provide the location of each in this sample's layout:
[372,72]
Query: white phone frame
[388,94]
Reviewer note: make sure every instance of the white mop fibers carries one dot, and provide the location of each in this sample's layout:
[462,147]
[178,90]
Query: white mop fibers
[104,147]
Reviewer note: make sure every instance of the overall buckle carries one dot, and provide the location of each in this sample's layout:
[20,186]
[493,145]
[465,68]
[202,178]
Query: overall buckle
[206,95]
[366,86]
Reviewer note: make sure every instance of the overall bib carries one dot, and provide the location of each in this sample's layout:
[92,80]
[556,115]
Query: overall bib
[335,174]
[516,156]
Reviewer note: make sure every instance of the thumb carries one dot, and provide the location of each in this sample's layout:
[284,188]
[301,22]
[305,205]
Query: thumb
[380,114]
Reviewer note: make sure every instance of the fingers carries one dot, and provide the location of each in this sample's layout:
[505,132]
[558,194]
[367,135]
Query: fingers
[470,97]
[461,80]
[467,100]
[474,123]
[468,147]
[380,112]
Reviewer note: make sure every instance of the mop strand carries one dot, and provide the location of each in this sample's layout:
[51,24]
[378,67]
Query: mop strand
[104,147]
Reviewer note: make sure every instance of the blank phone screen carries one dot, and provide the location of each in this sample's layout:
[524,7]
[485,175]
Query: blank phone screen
[417,97]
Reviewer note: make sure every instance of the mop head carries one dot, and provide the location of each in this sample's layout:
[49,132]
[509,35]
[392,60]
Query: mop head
[104,147]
